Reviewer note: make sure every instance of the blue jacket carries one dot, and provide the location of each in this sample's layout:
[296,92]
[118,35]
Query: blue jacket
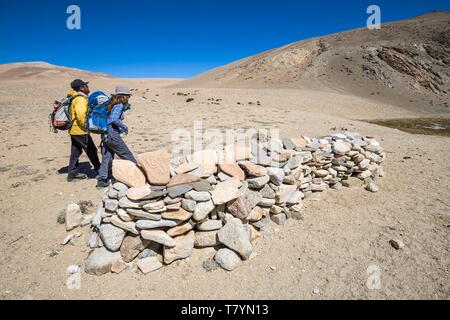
[115,118]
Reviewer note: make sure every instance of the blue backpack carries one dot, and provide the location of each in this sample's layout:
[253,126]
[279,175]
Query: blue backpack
[97,117]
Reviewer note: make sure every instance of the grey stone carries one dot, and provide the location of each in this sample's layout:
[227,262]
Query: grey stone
[155,194]
[69,238]
[73,216]
[276,175]
[274,145]
[285,192]
[288,144]
[279,219]
[143,214]
[337,186]
[168,200]
[234,236]
[148,252]
[119,186]
[373,148]
[295,198]
[227,259]
[277,164]
[180,190]
[92,240]
[149,264]
[276,210]
[397,244]
[294,162]
[314,144]
[123,215]
[371,186]
[97,218]
[149,224]
[202,196]
[182,250]
[188,205]
[261,158]
[158,236]
[267,203]
[253,197]
[127,226]
[223,177]
[121,194]
[210,225]
[126,203]
[202,185]
[257,183]
[113,194]
[100,261]
[267,192]
[211,180]
[112,236]
[340,148]
[202,210]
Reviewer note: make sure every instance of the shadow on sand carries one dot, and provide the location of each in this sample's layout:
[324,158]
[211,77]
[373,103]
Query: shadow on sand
[84,167]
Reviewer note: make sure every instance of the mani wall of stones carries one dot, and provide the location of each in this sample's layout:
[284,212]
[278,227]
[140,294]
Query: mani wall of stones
[159,211]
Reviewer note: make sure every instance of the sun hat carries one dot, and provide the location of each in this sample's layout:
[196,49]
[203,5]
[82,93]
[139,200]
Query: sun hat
[122,90]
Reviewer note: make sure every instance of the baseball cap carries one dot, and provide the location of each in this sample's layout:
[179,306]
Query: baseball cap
[77,83]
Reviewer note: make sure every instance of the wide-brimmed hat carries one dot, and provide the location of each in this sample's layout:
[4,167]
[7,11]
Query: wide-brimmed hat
[122,90]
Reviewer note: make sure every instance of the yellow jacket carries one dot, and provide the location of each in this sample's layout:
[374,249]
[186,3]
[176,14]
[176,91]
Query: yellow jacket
[78,113]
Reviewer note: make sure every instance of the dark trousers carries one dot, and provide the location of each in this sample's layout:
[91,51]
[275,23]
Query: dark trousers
[80,143]
[112,144]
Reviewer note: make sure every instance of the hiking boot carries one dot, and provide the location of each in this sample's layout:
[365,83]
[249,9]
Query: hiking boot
[102,184]
[78,176]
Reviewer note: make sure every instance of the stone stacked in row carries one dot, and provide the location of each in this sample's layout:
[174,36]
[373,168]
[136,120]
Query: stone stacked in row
[159,212]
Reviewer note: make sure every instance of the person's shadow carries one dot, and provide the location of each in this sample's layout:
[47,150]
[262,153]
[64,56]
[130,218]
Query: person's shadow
[83,167]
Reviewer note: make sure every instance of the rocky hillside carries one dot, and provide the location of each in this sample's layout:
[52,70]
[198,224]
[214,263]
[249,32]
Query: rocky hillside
[406,61]
[43,70]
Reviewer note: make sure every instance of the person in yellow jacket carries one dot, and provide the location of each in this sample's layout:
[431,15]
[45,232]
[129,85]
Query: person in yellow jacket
[80,138]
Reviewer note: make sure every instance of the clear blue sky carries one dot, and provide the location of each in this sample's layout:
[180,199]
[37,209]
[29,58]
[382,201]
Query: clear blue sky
[174,38]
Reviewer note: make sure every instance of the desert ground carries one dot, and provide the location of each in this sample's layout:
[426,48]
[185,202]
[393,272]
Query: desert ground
[325,256]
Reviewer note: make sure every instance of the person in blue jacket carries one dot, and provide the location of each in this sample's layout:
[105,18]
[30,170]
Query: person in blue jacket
[112,142]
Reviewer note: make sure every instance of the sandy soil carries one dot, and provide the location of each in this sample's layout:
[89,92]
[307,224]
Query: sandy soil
[343,232]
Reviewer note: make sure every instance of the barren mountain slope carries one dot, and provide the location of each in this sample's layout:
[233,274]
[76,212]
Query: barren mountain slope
[405,62]
[43,70]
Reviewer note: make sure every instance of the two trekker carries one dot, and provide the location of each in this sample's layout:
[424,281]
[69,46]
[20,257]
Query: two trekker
[81,114]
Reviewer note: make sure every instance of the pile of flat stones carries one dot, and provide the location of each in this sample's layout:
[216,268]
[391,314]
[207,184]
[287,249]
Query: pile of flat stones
[159,211]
